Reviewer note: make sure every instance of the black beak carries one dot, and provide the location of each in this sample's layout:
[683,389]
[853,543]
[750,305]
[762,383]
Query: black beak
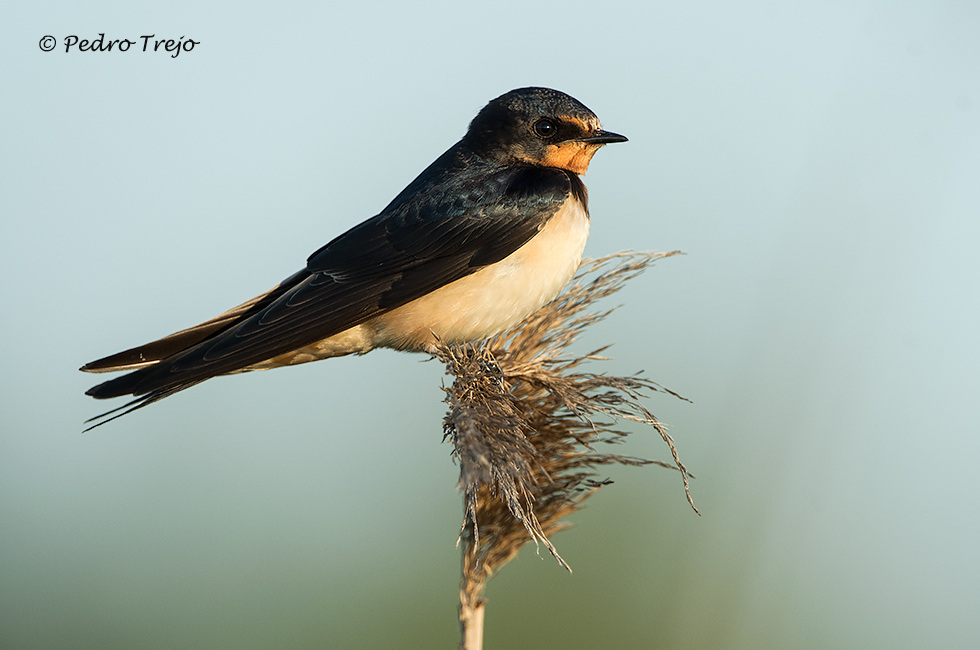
[603,137]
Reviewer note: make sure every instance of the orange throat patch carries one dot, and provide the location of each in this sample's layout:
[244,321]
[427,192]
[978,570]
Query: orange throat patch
[573,156]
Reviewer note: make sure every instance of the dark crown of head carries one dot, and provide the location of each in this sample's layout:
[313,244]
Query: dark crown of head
[507,117]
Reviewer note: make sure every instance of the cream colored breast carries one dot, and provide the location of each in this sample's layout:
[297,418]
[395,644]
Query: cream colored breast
[496,297]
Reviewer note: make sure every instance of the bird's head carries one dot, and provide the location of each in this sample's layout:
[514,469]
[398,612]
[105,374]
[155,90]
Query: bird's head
[538,126]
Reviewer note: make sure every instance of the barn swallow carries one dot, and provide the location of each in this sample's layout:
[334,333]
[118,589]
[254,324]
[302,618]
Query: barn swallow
[488,233]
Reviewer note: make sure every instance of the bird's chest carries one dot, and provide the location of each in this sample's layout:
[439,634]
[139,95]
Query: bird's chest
[498,296]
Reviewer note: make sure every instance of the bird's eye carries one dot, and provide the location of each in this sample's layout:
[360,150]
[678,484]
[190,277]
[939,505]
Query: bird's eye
[545,128]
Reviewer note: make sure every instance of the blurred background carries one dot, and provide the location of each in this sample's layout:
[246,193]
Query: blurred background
[818,163]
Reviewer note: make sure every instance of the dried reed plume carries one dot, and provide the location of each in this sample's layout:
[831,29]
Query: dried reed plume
[525,422]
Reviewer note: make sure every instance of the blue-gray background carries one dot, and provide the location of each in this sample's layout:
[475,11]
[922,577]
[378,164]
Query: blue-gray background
[819,164]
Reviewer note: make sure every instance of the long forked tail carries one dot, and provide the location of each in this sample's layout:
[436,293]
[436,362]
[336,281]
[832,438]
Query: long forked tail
[145,360]
[133,405]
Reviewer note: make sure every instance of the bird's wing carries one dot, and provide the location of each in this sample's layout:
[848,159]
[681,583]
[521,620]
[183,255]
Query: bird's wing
[150,353]
[409,250]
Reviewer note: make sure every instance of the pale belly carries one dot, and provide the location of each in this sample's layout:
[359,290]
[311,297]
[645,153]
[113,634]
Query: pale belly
[489,301]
